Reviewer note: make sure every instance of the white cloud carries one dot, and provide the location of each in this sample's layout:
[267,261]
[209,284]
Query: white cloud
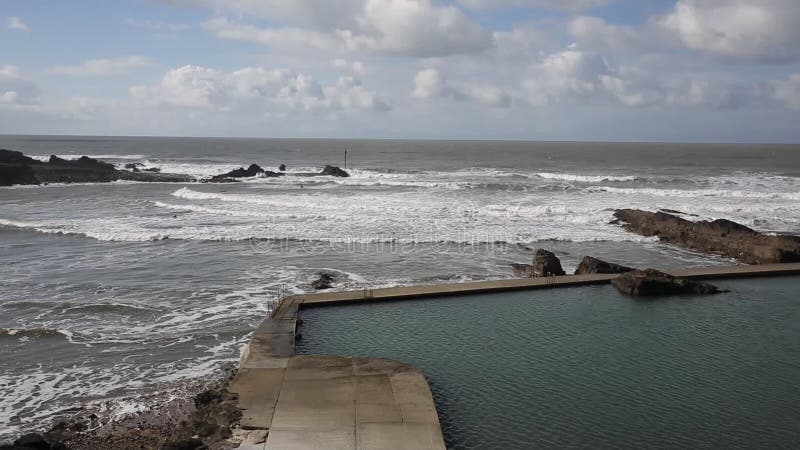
[567,73]
[632,92]
[380,26]
[432,84]
[758,30]
[349,67]
[15,89]
[416,28]
[328,14]
[283,38]
[428,84]
[113,66]
[787,91]
[162,27]
[348,93]
[488,94]
[559,5]
[594,32]
[16,23]
[198,87]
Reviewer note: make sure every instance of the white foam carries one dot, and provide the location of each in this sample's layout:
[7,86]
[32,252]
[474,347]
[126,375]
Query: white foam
[584,178]
[698,193]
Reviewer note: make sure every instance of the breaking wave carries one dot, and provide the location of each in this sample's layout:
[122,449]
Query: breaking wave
[35,333]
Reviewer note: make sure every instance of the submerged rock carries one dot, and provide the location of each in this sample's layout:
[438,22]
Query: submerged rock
[134,166]
[593,265]
[325,281]
[719,236]
[334,172]
[651,282]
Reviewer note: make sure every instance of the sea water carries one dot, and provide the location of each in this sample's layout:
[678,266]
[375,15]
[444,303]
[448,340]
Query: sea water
[112,292]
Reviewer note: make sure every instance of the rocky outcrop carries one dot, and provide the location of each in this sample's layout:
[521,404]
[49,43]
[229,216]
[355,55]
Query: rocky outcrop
[11,174]
[35,441]
[334,172]
[523,270]
[282,168]
[650,282]
[16,168]
[720,236]
[83,162]
[545,264]
[12,157]
[325,281]
[593,265]
[252,171]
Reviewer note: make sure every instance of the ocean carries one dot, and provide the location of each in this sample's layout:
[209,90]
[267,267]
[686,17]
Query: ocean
[123,294]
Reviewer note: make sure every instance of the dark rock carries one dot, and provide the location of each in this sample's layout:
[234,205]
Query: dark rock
[252,171]
[594,265]
[12,157]
[83,161]
[11,174]
[523,270]
[282,168]
[155,177]
[152,169]
[134,166]
[650,282]
[546,264]
[35,441]
[334,172]
[219,179]
[187,444]
[720,236]
[325,281]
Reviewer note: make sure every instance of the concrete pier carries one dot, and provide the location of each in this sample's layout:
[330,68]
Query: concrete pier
[340,402]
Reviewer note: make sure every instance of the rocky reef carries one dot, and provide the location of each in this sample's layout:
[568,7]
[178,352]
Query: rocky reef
[16,168]
[593,265]
[334,172]
[208,421]
[722,237]
[324,280]
[545,263]
[651,282]
[252,171]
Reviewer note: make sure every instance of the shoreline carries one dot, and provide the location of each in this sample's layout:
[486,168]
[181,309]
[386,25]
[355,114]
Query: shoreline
[208,413]
[212,417]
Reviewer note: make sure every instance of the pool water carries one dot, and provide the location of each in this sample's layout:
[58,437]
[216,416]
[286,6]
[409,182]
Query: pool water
[587,367]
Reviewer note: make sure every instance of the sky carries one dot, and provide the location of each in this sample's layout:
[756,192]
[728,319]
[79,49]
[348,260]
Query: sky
[582,70]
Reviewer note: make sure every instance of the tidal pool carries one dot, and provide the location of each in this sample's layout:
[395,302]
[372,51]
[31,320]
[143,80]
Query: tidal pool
[590,368]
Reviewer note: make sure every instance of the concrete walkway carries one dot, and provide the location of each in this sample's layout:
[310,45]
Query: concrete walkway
[312,402]
[482,287]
